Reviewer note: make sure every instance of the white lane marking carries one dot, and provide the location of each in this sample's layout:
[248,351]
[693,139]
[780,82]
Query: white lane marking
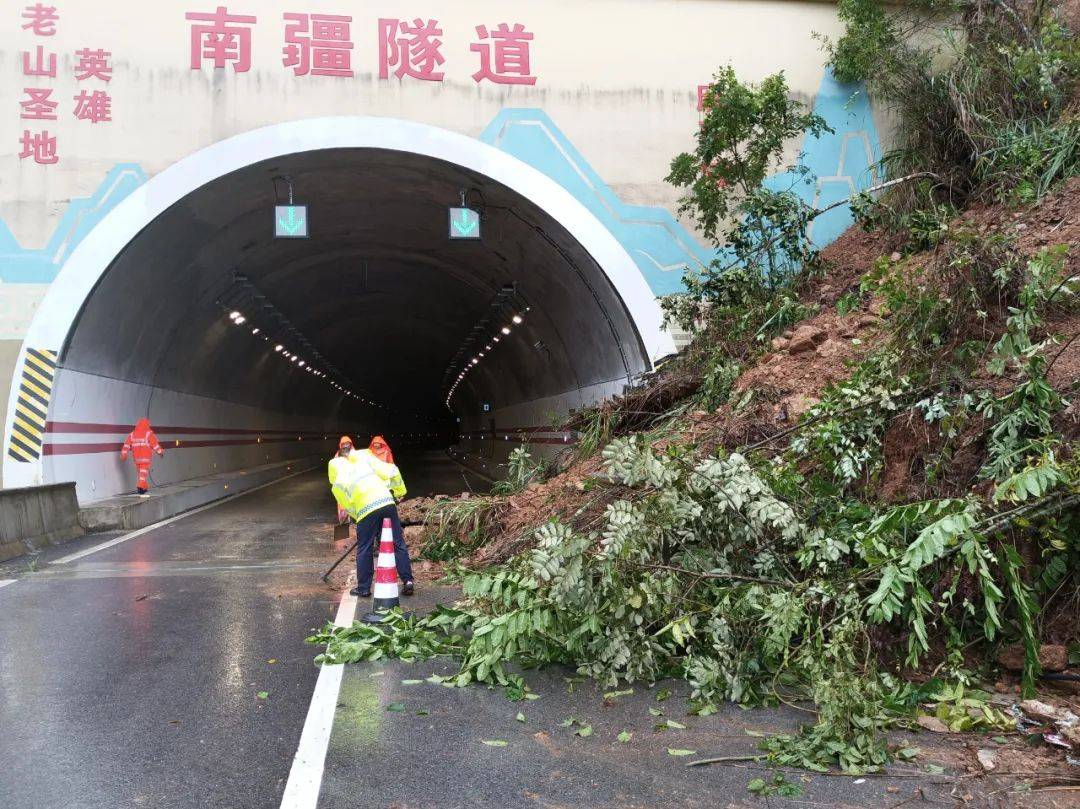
[305,777]
[6,582]
[63,560]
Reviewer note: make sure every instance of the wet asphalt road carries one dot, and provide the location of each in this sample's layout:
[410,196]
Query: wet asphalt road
[171,670]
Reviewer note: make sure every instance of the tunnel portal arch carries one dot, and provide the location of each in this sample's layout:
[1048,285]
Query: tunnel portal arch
[67,298]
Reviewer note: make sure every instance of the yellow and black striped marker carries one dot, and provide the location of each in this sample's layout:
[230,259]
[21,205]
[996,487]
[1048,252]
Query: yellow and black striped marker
[32,406]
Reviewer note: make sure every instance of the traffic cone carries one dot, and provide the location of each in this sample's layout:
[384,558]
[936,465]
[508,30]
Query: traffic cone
[385,595]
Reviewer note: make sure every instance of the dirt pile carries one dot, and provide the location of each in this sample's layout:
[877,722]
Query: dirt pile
[784,381]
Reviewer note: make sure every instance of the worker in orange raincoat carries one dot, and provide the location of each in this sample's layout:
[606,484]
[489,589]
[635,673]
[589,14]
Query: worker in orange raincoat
[142,444]
[380,449]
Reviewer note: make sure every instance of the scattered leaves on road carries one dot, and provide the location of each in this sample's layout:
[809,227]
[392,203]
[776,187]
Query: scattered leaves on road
[520,717]
[671,723]
[625,736]
[272,661]
[617,694]
[583,731]
[662,694]
[412,682]
[675,751]
[656,712]
[494,742]
[396,707]
[263,694]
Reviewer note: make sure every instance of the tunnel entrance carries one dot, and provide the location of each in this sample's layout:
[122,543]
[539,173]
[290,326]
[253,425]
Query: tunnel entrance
[203,321]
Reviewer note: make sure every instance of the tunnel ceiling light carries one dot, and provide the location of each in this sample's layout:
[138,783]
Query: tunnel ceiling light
[239,295]
[505,311]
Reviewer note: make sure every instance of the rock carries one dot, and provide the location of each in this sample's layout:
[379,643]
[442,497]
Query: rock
[831,348]
[1072,736]
[797,404]
[1039,710]
[806,338]
[1051,657]
[779,344]
[932,723]
[986,759]
[895,257]
[865,321]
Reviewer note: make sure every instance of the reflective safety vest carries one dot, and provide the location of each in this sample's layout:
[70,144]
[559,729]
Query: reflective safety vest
[142,443]
[361,483]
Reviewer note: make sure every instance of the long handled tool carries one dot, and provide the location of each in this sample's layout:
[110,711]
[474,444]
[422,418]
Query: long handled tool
[325,576]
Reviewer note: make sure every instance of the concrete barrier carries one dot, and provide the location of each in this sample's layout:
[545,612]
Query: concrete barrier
[35,516]
[128,512]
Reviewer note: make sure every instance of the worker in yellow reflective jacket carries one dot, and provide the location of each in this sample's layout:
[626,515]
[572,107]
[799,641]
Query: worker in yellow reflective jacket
[367,489]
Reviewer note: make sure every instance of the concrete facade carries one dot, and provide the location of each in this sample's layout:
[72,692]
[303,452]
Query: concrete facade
[614,97]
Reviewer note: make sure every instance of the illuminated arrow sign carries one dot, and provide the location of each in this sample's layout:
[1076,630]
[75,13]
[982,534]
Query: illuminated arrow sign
[464,223]
[290,222]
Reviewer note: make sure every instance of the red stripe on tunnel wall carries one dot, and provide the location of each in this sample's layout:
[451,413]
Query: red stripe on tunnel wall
[89,449]
[93,427]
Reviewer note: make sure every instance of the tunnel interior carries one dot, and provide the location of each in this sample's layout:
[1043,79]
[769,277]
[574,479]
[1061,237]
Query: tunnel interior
[377,321]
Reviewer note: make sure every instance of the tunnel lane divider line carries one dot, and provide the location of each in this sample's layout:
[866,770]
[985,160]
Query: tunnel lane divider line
[309,763]
[153,527]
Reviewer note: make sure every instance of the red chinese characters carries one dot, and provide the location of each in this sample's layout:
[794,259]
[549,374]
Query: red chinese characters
[92,64]
[93,106]
[40,66]
[38,106]
[42,19]
[510,64]
[319,44]
[411,50]
[222,38]
[39,145]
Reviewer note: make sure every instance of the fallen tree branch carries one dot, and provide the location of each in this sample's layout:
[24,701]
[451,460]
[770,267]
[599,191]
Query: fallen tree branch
[709,575]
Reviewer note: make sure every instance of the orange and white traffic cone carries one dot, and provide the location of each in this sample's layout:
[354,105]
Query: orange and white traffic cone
[385,595]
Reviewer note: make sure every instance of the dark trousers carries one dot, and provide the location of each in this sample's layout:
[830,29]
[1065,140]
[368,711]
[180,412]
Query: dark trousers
[368,531]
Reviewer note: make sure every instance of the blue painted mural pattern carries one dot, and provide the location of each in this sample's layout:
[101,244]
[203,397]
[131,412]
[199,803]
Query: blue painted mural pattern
[842,163]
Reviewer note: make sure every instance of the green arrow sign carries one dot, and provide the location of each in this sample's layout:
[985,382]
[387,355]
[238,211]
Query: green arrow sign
[464,223]
[290,222]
